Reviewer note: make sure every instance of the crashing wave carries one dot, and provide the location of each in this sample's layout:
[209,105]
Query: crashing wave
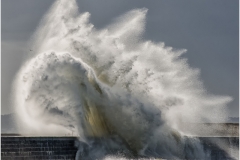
[120,94]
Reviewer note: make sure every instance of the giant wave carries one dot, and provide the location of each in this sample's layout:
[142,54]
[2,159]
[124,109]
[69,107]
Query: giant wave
[122,95]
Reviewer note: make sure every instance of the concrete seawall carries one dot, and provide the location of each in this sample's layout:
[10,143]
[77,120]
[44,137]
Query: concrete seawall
[63,148]
[30,148]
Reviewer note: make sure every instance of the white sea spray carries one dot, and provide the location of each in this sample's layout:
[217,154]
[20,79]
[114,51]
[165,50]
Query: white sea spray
[102,83]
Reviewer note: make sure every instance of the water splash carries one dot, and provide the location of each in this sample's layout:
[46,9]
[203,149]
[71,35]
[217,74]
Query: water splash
[112,88]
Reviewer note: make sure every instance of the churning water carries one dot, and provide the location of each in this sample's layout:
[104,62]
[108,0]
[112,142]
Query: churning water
[123,96]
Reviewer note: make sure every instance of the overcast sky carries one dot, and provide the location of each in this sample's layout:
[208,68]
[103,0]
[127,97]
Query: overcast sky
[207,29]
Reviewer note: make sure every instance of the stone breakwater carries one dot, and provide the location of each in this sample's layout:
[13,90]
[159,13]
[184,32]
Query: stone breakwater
[65,148]
[29,148]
